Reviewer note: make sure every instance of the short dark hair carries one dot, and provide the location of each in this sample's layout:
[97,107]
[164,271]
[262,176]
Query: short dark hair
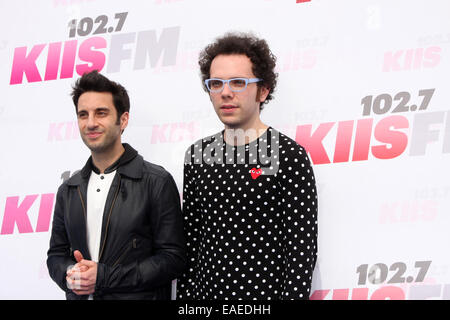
[257,50]
[94,81]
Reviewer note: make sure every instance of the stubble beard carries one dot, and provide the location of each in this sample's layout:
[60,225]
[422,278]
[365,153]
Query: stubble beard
[103,146]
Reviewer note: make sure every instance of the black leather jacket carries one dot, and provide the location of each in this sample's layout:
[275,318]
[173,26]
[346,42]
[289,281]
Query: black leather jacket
[142,246]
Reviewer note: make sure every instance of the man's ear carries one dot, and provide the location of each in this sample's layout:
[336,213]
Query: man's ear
[262,94]
[124,120]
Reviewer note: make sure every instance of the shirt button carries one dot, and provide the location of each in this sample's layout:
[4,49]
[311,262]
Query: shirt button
[102,177]
[98,190]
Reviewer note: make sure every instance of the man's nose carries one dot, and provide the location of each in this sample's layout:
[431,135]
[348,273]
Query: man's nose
[91,121]
[226,91]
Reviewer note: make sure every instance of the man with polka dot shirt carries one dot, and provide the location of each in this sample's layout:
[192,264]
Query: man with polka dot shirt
[249,193]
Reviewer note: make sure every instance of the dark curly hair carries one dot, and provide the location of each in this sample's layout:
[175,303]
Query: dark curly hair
[257,50]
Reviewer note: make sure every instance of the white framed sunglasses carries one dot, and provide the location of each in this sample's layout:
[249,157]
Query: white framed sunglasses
[235,84]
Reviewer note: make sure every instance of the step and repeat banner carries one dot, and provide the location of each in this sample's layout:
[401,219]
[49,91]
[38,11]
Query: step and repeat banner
[363,86]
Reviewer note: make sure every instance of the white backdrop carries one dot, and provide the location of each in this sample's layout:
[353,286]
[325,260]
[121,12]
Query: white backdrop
[363,85]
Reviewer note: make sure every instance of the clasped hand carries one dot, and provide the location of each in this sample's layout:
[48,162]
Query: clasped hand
[81,277]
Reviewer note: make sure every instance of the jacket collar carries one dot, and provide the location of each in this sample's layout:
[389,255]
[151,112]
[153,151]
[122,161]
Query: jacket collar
[129,164]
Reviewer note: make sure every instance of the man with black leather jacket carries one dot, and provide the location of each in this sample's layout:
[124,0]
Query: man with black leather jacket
[117,230]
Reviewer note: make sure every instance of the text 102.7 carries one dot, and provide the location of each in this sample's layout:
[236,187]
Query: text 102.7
[383,103]
[378,273]
[84,26]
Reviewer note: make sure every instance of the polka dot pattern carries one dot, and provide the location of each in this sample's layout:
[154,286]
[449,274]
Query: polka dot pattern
[249,238]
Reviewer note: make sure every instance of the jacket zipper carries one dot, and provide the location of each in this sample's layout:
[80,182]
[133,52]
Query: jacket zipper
[133,246]
[107,222]
[84,211]
[82,203]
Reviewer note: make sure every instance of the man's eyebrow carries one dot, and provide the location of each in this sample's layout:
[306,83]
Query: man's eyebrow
[102,109]
[238,77]
[96,109]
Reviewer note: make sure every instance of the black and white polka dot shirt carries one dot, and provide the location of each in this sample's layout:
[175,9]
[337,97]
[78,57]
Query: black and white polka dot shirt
[250,220]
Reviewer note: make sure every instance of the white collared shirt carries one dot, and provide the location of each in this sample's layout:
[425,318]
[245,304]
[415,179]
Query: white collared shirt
[97,192]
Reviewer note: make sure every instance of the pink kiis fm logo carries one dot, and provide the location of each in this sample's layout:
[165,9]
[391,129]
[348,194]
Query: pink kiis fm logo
[419,291]
[388,131]
[59,60]
[20,212]
[17,214]
[412,59]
